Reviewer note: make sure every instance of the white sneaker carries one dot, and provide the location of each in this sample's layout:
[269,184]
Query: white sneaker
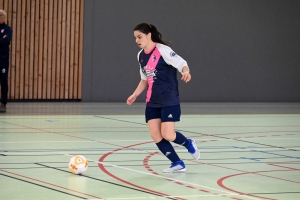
[193,149]
[176,167]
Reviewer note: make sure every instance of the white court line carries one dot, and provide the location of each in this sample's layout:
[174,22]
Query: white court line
[252,138]
[150,174]
[47,142]
[58,151]
[185,196]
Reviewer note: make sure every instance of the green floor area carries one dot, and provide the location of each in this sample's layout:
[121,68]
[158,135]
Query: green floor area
[243,156]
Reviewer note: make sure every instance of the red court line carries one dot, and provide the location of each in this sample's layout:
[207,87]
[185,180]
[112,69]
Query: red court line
[50,184]
[101,159]
[258,132]
[152,171]
[244,172]
[278,178]
[147,166]
[47,131]
[128,146]
[105,156]
[52,132]
[285,166]
[141,126]
[220,181]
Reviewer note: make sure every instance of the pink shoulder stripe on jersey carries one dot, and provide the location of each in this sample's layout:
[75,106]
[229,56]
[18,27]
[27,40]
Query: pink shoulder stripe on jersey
[151,70]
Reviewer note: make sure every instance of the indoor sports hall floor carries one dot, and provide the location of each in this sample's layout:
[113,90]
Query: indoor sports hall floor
[248,151]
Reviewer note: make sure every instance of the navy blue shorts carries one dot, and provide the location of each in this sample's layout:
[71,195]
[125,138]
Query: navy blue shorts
[166,114]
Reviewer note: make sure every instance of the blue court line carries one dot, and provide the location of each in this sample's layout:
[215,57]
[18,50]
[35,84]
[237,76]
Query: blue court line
[215,147]
[51,120]
[255,159]
[266,152]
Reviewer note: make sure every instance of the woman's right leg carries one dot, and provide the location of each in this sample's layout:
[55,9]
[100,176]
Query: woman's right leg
[165,146]
[154,128]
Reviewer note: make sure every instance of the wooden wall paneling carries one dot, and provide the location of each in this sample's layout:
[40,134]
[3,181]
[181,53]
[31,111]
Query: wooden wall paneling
[27,50]
[18,48]
[80,48]
[40,53]
[45,50]
[49,54]
[6,5]
[67,62]
[22,14]
[76,51]
[13,49]
[9,22]
[32,49]
[72,48]
[63,50]
[54,61]
[59,36]
[36,49]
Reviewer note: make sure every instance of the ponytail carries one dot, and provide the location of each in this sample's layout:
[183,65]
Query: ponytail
[155,35]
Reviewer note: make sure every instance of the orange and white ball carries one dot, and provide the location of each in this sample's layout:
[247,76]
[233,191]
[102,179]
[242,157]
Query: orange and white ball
[78,164]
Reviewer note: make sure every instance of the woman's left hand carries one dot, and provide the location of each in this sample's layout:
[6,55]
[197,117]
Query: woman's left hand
[186,77]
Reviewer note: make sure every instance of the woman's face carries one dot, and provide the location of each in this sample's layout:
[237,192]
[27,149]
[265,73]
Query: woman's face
[142,39]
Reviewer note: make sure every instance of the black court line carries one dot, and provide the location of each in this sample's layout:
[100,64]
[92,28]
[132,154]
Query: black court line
[129,161]
[43,186]
[162,164]
[106,181]
[217,136]
[154,160]
[142,149]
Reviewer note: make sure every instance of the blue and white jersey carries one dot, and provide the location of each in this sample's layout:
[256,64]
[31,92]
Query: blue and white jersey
[159,67]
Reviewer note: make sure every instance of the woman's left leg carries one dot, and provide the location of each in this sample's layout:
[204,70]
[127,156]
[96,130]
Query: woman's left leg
[167,132]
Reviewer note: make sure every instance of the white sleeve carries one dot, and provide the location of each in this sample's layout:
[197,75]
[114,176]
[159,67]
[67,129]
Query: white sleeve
[171,57]
[143,76]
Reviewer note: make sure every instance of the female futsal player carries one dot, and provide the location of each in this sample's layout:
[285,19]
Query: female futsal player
[158,70]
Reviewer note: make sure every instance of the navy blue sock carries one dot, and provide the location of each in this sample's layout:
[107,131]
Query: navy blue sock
[168,150]
[181,139]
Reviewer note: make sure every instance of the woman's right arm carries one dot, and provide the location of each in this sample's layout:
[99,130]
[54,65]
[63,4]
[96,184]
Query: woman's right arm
[140,88]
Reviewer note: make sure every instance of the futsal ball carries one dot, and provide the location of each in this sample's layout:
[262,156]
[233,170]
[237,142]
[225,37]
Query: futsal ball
[78,164]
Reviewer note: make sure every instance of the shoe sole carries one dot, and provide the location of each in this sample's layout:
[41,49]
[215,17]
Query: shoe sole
[177,171]
[198,157]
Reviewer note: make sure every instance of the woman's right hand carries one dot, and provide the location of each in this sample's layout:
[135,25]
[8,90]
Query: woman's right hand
[131,99]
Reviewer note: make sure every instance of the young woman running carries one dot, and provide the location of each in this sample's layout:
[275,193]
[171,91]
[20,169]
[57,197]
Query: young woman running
[158,70]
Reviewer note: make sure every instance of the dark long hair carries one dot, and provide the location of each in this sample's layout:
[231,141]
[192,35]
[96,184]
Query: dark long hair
[155,35]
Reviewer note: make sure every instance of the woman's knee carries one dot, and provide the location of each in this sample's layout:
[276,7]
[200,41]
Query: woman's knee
[170,136]
[154,128]
[156,136]
[167,131]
